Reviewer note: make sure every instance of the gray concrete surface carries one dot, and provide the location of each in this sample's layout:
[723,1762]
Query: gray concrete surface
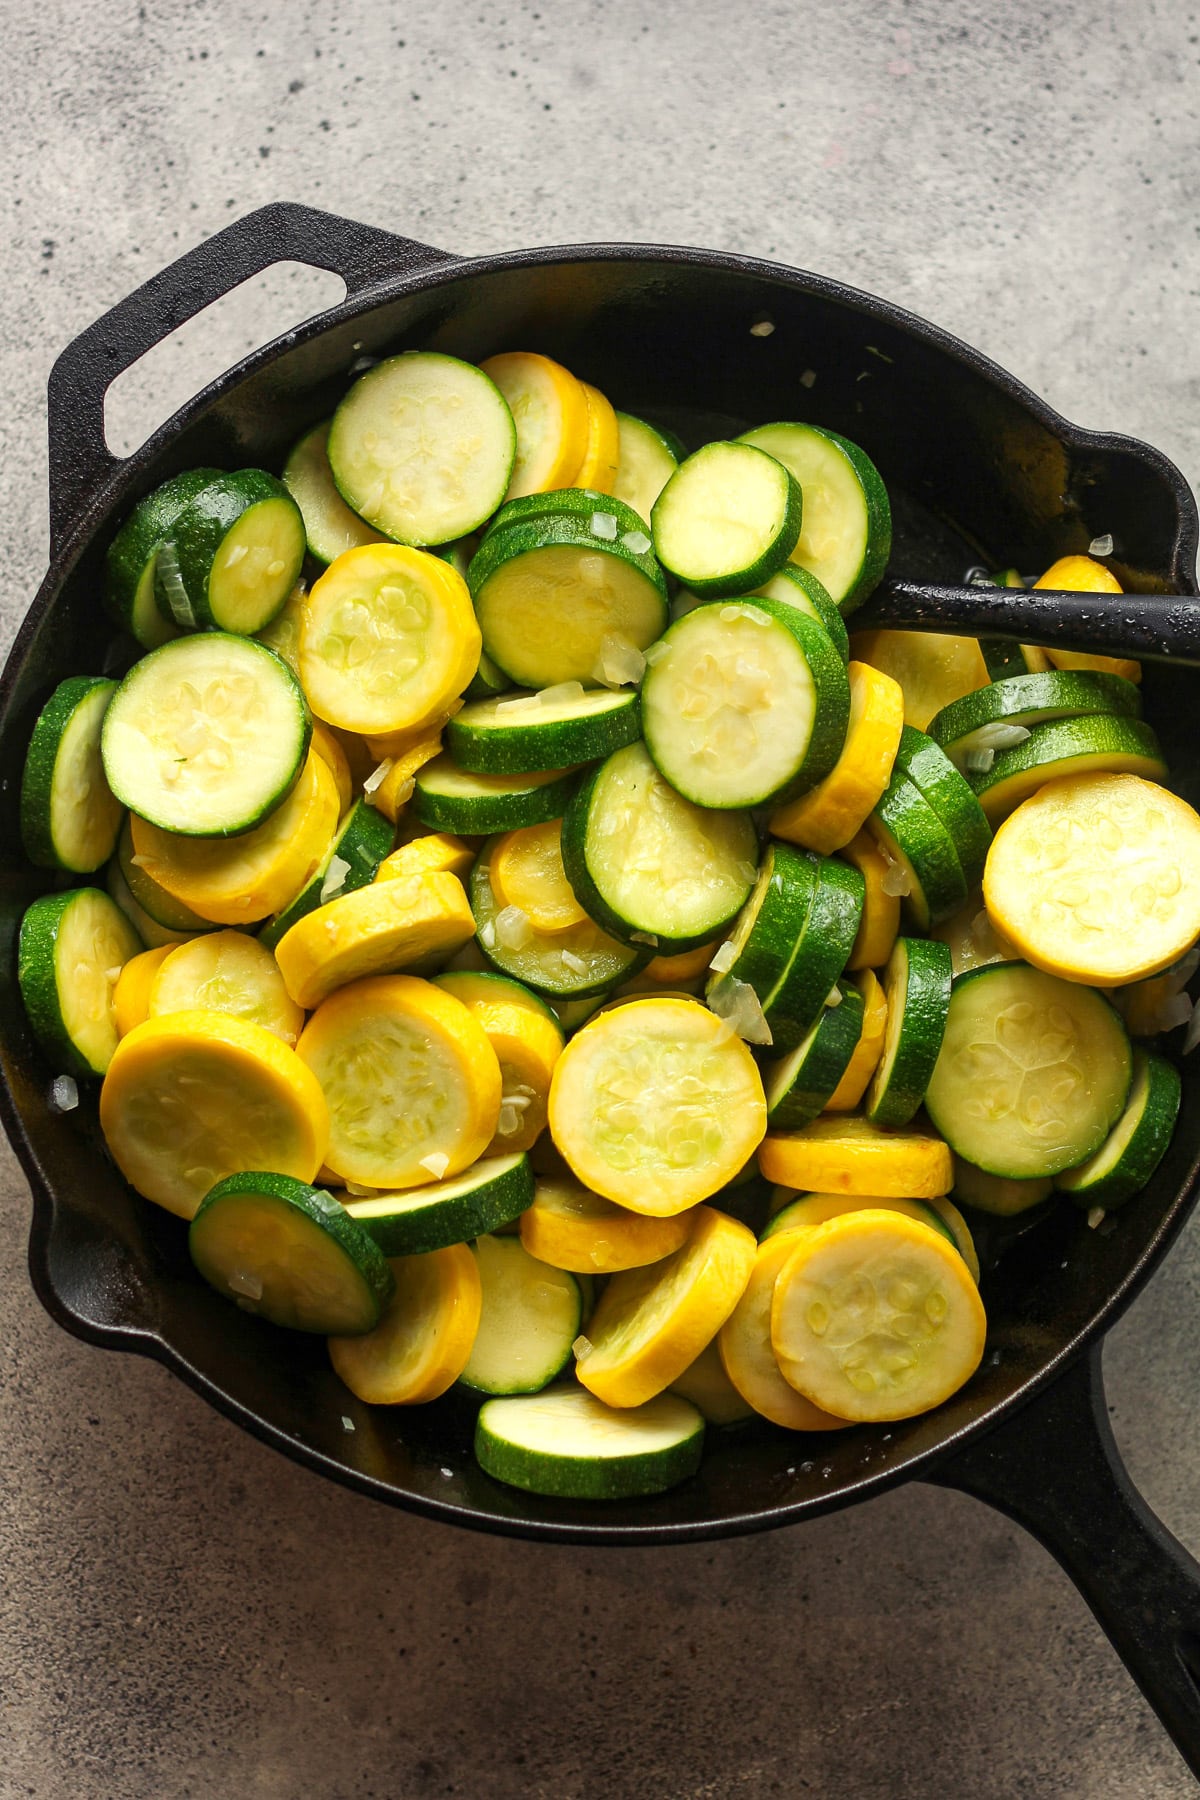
[184,1615]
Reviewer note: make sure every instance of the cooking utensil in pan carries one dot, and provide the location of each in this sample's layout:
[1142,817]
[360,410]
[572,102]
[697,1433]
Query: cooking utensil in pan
[978,469]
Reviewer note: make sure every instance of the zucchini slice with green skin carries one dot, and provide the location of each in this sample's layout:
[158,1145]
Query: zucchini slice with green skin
[553,595]
[153,901]
[994,717]
[568,1445]
[601,514]
[488,681]
[809,1210]
[768,928]
[491,1193]
[727,519]
[232,556]
[1079,746]
[531,1316]
[522,733]
[70,950]
[916,981]
[846,537]
[422,447]
[1033,1073]
[150,933]
[822,951]
[799,1085]
[451,798]
[794,586]
[1006,660]
[562,966]
[908,829]
[129,587]
[745,702]
[645,463]
[363,839]
[1138,1141]
[329,525]
[70,819]
[290,1253]
[206,735]
[646,863]
[994,1194]
[952,798]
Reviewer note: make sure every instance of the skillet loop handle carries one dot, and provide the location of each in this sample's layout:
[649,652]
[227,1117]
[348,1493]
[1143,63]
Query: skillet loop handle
[1055,1468]
[282,232]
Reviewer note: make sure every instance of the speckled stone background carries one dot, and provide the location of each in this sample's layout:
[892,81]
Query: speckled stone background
[183,1614]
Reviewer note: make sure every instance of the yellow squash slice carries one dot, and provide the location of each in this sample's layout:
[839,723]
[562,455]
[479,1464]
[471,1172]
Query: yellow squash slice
[239,880]
[431,853]
[423,1342]
[1081,575]
[656,1105]
[388,639]
[876,1317]
[550,410]
[375,930]
[410,1080]
[131,995]
[868,1050]
[333,755]
[705,1383]
[744,1345]
[829,815]
[226,972]
[651,1323]
[528,1042]
[392,792]
[526,870]
[192,1097]
[598,470]
[932,669]
[848,1155]
[880,922]
[571,1228]
[1097,878]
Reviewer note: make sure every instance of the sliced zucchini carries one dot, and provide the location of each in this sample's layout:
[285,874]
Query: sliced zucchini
[916,983]
[649,865]
[645,464]
[794,586]
[1098,743]
[564,965]
[809,1210]
[523,733]
[768,929]
[604,516]
[998,716]
[531,1317]
[364,838]
[489,680]
[206,735]
[129,569]
[555,595]
[997,1193]
[569,1445]
[491,1193]
[422,447]
[798,1086]
[727,519]
[822,950]
[288,1252]
[149,931]
[949,794]
[1006,660]
[69,816]
[70,952]
[1033,1073]
[232,556]
[846,537]
[1138,1141]
[929,874]
[745,701]
[329,525]
[449,798]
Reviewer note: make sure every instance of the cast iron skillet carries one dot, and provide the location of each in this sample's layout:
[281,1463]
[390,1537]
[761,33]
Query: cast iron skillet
[979,470]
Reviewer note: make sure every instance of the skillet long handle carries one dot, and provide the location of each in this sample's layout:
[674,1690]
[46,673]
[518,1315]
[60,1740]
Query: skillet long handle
[1154,627]
[80,459]
[1055,1468]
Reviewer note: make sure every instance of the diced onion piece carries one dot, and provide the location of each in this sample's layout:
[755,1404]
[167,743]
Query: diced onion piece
[724,958]
[561,692]
[655,652]
[643,937]
[1095,1217]
[1193,1031]
[1102,545]
[242,1282]
[64,1093]
[620,662]
[575,963]
[513,928]
[834,996]
[896,880]
[737,1003]
[335,878]
[604,525]
[979,762]
[637,541]
[523,703]
[582,1347]
[378,776]
[999,736]
[437,1162]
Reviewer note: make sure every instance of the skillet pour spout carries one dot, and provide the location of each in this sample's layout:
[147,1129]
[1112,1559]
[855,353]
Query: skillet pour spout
[978,468]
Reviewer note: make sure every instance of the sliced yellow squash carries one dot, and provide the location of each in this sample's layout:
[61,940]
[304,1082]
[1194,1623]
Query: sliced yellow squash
[432,853]
[656,1104]
[423,1342]
[875,1317]
[651,1323]
[747,1356]
[375,930]
[829,815]
[933,669]
[392,792]
[333,755]
[880,923]
[571,1228]
[598,470]
[526,871]
[550,410]
[848,1155]
[226,972]
[388,639]
[192,1097]
[528,1041]
[869,1048]
[1082,575]
[410,1080]
[705,1383]
[239,880]
[131,995]
[1097,878]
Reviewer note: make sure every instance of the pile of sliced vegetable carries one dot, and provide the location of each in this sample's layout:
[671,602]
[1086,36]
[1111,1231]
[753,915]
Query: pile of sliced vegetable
[514,907]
